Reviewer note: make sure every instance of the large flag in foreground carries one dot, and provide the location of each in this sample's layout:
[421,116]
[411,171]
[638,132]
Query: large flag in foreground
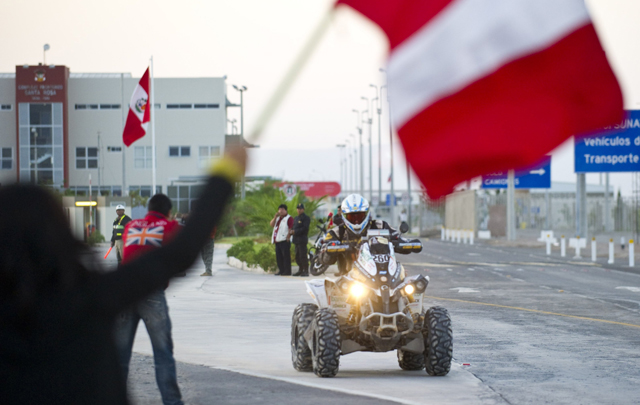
[477,86]
[139,115]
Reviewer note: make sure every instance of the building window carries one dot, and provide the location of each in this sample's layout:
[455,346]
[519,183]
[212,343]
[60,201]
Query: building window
[206,106]
[183,197]
[86,158]
[6,159]
[179,151]
[6,107]
[191,106]
[142,157]
[206,153]
[144,191]
[98,106]
[114,148]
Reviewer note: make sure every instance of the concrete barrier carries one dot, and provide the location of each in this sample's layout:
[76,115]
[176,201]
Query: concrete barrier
[632,259]
[563,246]
[593,249]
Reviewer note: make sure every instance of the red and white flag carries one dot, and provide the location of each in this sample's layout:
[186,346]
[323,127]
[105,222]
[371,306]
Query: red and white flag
[477,86]
[139,113]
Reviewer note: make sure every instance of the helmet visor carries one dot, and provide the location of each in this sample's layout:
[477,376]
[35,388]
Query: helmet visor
[356,218]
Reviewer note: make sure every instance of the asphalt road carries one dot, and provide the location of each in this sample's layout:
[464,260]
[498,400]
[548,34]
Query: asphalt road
[527,329]
[538,329]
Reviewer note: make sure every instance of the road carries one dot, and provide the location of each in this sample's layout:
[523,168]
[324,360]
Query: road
[527,329]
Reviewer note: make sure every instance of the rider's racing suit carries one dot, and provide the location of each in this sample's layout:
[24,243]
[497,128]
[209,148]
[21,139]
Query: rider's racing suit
[341,234]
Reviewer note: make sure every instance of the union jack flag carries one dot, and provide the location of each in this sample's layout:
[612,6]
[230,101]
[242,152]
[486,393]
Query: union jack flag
[145,236]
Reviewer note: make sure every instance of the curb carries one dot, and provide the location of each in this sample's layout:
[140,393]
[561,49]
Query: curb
[234,262]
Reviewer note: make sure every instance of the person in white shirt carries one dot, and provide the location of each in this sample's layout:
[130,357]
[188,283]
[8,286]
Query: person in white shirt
[282,222]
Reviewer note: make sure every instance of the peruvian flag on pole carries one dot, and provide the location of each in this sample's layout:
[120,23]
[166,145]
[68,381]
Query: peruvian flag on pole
[477,86]
[139,113]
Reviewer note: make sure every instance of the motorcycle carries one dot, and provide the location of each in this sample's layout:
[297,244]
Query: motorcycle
[316,268]
[375,307]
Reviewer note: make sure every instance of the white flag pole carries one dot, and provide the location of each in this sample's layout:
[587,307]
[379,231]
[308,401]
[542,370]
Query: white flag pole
[153,129]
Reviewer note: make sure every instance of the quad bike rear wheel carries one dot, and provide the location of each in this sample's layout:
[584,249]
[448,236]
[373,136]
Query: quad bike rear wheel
[438,341]
[410,361]
[300,352]
[326,343]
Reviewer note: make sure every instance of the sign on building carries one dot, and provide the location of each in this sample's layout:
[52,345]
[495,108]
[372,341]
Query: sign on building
[537,176]
[616,149]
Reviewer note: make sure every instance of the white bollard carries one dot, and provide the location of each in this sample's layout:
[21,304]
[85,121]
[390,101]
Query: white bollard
[442,233]
[577,256]
[632,259]
[548,245]
[458,236]
[563,246]
[610,251]
[593,249]
[471,235]
[464,236]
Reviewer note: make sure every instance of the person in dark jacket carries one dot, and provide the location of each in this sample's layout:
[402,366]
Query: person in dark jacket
[118,228]
[300,233]
[338,219]
[57,314]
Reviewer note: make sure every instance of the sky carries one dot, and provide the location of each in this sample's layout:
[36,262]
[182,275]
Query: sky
[253,42]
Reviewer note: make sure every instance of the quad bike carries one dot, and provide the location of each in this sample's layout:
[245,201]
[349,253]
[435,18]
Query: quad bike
[315,267]
[374,308]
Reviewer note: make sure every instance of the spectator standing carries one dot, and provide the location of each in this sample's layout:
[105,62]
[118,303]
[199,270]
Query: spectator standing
[207,254]
[118,228]
[141,236]
[338,219]
[282,222]
[300,233]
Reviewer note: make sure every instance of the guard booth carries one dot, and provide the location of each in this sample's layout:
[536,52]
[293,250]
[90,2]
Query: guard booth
[97,214]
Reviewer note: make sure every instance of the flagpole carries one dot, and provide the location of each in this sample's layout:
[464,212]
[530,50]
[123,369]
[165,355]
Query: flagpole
[153,130]
[290,77]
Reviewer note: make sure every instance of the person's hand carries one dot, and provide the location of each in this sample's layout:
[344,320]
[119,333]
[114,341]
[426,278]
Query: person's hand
[239,154]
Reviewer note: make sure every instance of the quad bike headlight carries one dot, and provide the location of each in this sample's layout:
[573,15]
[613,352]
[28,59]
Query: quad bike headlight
[357,290]
[409,289]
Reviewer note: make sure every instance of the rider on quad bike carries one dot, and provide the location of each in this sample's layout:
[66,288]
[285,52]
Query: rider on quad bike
[356,222]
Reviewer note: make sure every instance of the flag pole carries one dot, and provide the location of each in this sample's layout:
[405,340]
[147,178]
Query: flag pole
[153,129]
[290,77]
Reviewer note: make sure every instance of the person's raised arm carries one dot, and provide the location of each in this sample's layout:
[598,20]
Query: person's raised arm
[149,272]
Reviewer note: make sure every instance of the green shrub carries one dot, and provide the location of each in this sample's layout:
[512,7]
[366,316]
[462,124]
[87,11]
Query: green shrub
[265,257]
[95,237]
[242,250]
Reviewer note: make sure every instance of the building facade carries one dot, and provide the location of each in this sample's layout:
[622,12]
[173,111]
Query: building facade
[64,129]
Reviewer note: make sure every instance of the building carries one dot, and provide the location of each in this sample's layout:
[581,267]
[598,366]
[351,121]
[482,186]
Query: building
[64,130]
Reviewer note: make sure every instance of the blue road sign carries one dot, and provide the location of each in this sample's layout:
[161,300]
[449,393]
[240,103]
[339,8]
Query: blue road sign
[538,176]
[388,200]
[616,149]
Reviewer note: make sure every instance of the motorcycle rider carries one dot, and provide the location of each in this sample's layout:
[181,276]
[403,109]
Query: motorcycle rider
[356,222]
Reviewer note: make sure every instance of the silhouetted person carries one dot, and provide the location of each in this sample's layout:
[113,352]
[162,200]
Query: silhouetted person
[57,313]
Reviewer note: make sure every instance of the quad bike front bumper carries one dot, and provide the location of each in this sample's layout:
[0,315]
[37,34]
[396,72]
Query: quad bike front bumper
[386,330]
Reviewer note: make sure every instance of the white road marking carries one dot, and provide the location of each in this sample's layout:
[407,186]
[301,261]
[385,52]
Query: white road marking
[465,290]
[632,289]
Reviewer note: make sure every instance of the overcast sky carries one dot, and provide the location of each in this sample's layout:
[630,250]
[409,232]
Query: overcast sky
[253,43]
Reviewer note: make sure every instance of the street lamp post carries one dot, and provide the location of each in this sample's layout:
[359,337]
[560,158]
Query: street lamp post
[370,121]
[358,125]
[341,146]
[379,111]
[241,89]
[355,162]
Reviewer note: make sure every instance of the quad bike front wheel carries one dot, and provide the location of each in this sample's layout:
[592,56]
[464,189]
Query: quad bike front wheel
[315,267]
[410,361]
[326,343]
[300,352]
[438,341]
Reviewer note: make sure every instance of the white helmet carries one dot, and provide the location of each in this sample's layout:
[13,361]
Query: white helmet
[119,207]
[355,213]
